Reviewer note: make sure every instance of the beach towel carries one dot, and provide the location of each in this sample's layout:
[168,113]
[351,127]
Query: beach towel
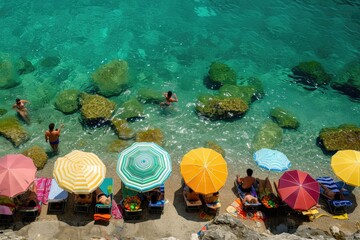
[115,211]
[42,189]
[236,210]
[102,217]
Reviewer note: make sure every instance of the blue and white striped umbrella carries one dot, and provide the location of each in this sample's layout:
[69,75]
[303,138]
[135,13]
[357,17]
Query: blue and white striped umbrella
[272,160]
[143,166]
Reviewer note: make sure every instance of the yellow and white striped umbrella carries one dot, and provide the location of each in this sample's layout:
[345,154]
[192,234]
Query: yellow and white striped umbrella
[79,172]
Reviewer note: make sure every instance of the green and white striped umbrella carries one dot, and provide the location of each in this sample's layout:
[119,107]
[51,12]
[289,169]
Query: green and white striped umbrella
[143,166]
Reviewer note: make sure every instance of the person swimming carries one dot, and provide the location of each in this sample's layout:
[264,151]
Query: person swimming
[20,108]
[170,97]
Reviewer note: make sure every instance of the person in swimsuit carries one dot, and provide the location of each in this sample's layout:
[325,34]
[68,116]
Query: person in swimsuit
[102,198]
[52,136]
[247,182]
[20,108]
[169,98]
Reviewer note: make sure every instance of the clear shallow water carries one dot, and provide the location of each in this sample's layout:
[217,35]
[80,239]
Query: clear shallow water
[169,45]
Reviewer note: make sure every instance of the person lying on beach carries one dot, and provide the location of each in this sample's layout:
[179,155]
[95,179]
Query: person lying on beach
[191,196]
[102,198]
[169,98]
[249,199]
[211,198]
[83,198]
[28,198]
[330,194]
[247,182]
[20,108]
[156,195]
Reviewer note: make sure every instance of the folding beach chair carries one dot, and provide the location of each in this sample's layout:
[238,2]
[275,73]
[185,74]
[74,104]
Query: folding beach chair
[191,205]
[158,207]
[57,198]
[83,205]
[335,206]
[107,188]
[247,205]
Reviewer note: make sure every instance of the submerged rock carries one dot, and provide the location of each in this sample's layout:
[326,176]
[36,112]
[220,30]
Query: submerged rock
[3,111]
[348,81]
[269,136]
[133,110]
[344,137]
[38,155]
[95,109]
[215,107]
[25,66]
[148,95]
[220,74]
[9,76]
[311,73]
[151,135]
[67,101]
[117,145]
[122,129]
[212,145]
[246,93]
[284,118]
[111,79]
[12,130]
[50,62]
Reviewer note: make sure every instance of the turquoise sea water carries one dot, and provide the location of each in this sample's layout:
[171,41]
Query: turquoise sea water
[170,45]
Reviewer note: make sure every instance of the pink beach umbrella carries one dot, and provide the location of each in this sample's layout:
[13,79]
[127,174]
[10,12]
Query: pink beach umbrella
[299,190]
[17,172]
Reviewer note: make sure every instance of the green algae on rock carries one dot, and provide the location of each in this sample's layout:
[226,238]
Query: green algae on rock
[215,107]
[24,66]
[67,101]
[117,145]
[269,136]
[9,76]
[95,109]
[111,78]
[246,93]
[214,146]
[311,73]
[348,80]
[343,137]
[284,118]
[133,110]
[50,62]
[12,130]
[38,155]
[3,111]
[150,135]
[220,74]
[122,129]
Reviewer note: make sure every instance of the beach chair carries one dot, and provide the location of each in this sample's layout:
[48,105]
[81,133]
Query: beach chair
[158,207]
[241,194]
[191,205]
[335,206]
[57,198]
[210,207]
[107,188]
[336,187]
[83,205]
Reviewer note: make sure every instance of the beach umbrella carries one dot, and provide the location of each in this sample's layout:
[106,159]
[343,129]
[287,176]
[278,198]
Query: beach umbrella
[272,160]
[204,170]
[299,190]
[17,172]
[79,172]
[143,166]
[346,165]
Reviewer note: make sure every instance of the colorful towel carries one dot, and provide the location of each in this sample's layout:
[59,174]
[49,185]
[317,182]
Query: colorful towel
[103,217]
[115,211]
[42,189]
[236,210]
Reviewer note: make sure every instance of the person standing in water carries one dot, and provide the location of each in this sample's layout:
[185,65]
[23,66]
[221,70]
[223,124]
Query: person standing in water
[52,136]
[20,108]
[169,98]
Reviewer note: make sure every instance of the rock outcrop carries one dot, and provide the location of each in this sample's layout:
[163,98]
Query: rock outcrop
[122,129]
[269,136]
[284,118]
[132,110]
[348,81]
[95,109]
[67,101]
[12,130]
[111,78]
[38,155]
[246,93]
[215,107]
[219,75]
[150,135]
[311,73]
[344,137]
[9,76]
[148,95]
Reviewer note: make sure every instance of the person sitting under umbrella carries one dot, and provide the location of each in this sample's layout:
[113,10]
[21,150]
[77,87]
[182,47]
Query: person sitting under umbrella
[211,198]
[156,195]
[29,198]
[102,198]
[330,194]
[191,196]
[83,198]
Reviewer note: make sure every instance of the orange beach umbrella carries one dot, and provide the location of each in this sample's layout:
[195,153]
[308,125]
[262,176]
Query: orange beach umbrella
[204,170]
[346,165]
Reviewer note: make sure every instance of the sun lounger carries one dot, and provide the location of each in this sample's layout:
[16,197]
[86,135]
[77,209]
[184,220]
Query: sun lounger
[82,205]
[158,207]
[335,206]
[106,187]
[57,198]
[336,187]
[191,205]
[212,207]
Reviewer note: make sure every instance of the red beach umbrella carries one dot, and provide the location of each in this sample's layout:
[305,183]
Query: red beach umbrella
[299,190]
